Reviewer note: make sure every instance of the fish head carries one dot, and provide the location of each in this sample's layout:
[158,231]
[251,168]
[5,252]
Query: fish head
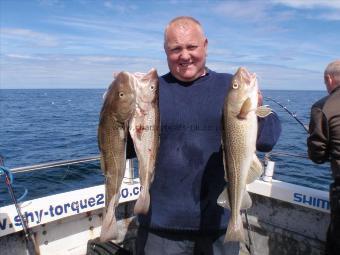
[147,86]
[120,98]
[243,87]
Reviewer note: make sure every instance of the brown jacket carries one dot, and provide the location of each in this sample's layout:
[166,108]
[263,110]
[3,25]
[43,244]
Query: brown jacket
[324,129]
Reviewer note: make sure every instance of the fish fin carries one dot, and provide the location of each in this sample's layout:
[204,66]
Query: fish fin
[263,111]
[143,202]
[223,199]
[235,231]
[255,171]
[246,200]
[109,229]
[245,109]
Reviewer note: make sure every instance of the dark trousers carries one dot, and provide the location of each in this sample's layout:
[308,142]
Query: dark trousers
[333,234]
[164,243]
[333,240]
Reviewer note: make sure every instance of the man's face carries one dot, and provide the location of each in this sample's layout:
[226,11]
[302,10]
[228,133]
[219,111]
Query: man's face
[186,48]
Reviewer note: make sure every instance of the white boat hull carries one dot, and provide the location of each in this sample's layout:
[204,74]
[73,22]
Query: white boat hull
[284,219]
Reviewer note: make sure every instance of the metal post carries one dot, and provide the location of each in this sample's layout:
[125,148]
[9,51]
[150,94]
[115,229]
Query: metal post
[269,171]
[129,175]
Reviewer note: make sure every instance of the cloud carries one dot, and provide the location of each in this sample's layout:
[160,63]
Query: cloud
[242,10]
[50,3]
[309,4]
[120,7]
[70,71]
[27,35]
[334,16]
[25,57]
[104,35]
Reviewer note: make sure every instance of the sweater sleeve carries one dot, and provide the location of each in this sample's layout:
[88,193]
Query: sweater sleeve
[269,130]
[318,136]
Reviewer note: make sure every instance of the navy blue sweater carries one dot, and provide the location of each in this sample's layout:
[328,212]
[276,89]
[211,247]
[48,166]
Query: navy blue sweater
[189,174]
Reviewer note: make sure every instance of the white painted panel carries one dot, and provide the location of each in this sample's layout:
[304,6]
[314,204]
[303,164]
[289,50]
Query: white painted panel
[291,193]
[55,207]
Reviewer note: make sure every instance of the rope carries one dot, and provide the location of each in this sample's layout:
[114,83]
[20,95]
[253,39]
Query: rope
[9,181]
[6,171]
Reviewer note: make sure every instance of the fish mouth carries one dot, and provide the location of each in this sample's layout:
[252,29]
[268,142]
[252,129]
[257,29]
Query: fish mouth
[253,82]
[249,78]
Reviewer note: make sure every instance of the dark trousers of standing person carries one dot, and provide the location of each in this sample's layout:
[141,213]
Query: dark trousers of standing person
[333,234]
[164,243]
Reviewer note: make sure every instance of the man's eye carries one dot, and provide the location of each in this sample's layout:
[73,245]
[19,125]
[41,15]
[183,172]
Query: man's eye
[192,47]
[175,50]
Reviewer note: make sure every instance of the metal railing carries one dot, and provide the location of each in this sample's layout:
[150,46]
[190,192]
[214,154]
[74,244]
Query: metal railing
[54,164]
[129,175]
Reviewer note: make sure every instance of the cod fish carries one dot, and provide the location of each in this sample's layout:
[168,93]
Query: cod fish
[117,110]
[145,130]
[239,134]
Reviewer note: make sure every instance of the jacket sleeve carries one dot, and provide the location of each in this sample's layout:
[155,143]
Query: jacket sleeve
[269,130]
[318,136]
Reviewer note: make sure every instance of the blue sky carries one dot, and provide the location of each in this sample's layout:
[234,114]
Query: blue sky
[80,43]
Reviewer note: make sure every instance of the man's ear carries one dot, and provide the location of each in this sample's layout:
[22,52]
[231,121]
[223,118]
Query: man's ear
[206,44]
[329,81]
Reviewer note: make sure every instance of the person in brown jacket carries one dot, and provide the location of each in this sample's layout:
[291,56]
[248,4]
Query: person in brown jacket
[324,145]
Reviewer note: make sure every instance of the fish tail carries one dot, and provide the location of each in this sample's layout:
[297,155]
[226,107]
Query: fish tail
[143,202]
[235,231]
[109,230]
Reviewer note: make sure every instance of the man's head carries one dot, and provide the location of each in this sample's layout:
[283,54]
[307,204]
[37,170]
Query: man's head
[185,46]
[332,75]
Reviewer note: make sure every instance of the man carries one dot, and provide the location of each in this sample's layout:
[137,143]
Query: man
[324,145]
[184,217]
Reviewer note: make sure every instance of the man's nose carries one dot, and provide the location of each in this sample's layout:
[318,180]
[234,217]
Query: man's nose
[185,55]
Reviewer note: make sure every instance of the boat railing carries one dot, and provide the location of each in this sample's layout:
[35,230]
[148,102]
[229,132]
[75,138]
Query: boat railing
[129,172]
[282,153]
[54,164]
[130,166]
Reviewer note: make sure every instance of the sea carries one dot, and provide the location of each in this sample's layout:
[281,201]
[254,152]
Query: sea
[44,125]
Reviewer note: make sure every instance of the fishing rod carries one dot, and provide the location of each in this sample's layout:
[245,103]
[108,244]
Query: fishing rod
[31,244]
[289,112]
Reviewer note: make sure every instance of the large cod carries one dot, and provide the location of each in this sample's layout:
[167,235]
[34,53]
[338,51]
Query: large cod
[145,130]
[239,135]
[117,110]
[131,105]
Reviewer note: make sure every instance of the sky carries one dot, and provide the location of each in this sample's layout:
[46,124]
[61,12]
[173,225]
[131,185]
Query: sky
[81,43]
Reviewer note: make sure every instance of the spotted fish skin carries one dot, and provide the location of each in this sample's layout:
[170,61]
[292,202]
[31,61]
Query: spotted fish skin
[117,110]
[239,135]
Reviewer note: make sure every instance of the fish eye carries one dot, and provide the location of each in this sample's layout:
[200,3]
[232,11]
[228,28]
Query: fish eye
[235,85]
[152,87]
[121,94]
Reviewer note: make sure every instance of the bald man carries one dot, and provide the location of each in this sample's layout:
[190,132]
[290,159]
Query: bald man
[184,217]
[324,145]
